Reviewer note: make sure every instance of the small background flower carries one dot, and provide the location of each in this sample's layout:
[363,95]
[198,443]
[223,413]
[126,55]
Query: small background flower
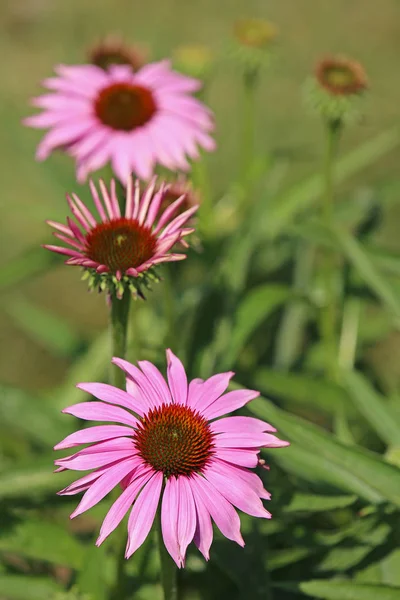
[132,120]
[169,446]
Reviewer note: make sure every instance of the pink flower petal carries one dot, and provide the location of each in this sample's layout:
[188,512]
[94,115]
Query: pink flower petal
[113,395]
[98,433]
[240,425]
[177,379]
[203,534]
[103,486]
[221,511]
[143,513]
[234,489]
[229,402]
[187,520]
[156,380]
[143,386]
[209,391]
[243,457]
[98,411]
[169,519]
[121,506]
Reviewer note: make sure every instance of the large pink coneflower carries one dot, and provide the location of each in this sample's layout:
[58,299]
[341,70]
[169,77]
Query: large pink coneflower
[168,446]
[134,120]
[122,247]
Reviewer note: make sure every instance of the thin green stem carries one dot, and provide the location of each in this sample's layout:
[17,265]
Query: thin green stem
[250,80]
[119,314]
[328,313]
[169,572]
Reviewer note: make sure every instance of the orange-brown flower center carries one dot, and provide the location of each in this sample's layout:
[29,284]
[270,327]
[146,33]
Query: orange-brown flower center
[341,76]
[120,244]
[124,107]
[175,439]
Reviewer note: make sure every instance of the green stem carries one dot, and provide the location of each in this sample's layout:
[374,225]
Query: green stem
[250,81]
[119,314]
[169,572]
[328,313]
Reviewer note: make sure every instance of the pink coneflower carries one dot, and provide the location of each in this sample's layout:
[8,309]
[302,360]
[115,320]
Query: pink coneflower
[168,446]
[120,247]
[135,120]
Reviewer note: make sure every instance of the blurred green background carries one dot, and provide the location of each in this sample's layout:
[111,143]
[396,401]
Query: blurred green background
[36,34]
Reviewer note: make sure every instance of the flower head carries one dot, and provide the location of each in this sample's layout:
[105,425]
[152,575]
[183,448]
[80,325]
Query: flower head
[113,51]
[336,89]
[195,60]
[253,43]
[167,445]
[121,249]
[341,76]
[133,120]
[255,33]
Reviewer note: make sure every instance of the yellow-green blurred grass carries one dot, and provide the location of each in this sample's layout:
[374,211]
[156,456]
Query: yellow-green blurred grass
[35,34]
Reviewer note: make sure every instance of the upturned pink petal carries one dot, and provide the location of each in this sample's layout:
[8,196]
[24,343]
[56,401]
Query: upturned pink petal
[177,379]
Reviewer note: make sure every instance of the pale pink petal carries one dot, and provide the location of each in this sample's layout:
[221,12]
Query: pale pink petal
[97,201]
[93,461]
[177,379]
[251,479]
[169,519]
[234,489]
[221,511]
[97,433]
[99,411]
[146,199]
[209,391]
[156,380]
[229,402]
[61,135]
[121,506]
[81,484]
[113,395]
[143,513]
[203,534]
[187,516]
[240,424]
[103,486]
[248,440]
[141,380]
[243,457]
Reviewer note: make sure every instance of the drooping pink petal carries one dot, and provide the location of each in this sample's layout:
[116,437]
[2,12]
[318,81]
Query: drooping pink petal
[121,506]
[144,387]
[203,534]
[221,511]
[169,519]
[103,485]
[143,513]
[186,525]
[235,490]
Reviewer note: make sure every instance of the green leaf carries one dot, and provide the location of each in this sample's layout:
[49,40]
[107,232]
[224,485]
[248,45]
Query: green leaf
[45,541]
[378,412]
[45,328]
[36,477]
[359,258]
[288,556]
[333,589]
[343,559]
[313,503]
[257,305]
[302,390]
[93,578]
[40,422]
[303,195]
[91,366]
[19,587]
[356,469]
